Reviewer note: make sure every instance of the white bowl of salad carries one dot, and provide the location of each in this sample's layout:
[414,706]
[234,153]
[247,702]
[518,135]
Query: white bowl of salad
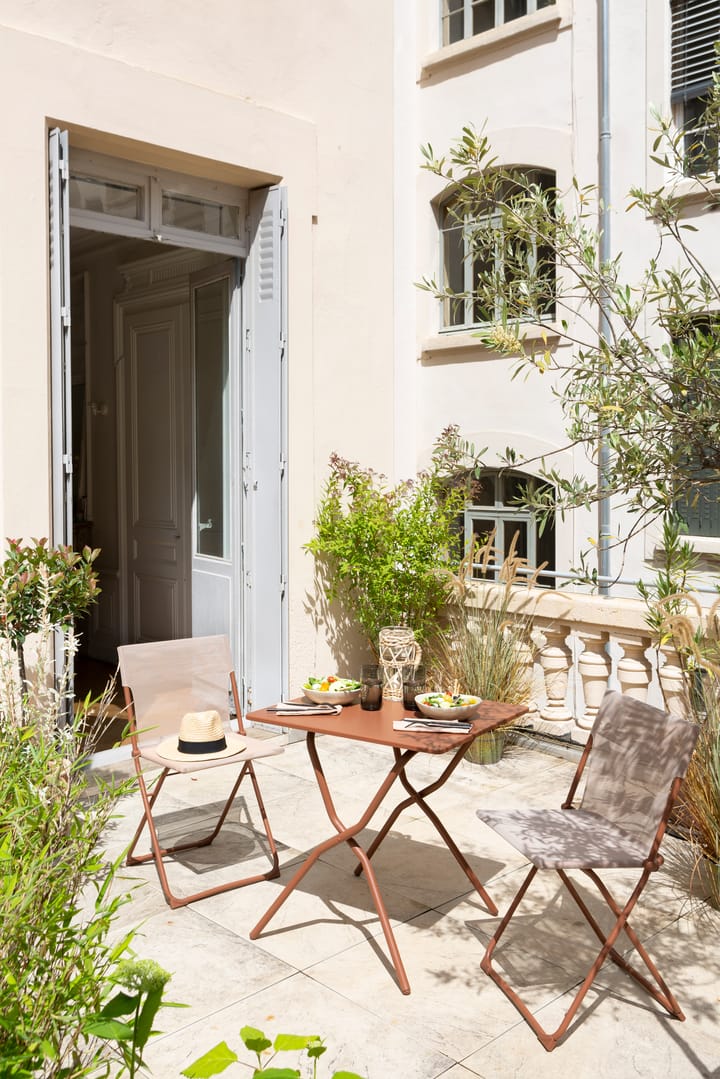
[447,706]
[332,690]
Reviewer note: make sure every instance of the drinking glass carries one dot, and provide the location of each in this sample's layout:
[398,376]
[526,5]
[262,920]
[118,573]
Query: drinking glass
[414,679]
[371,681]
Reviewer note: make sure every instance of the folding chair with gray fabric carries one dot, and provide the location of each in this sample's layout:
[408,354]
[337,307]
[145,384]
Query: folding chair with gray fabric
[178,695]
[633,765]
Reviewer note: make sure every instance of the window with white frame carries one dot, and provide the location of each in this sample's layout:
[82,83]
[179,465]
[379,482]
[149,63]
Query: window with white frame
[111,195]
[473,250]
[465,18]
[695,29]
[495,515]
[699,506]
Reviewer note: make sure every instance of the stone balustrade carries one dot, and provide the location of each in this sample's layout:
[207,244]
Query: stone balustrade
[583,645]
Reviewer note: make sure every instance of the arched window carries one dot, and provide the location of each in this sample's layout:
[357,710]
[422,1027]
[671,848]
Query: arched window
[473,248]
[495,510]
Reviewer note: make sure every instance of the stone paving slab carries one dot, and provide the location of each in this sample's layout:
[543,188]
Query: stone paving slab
[322,966]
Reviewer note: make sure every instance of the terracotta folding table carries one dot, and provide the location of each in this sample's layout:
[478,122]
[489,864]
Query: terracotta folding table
[377,727]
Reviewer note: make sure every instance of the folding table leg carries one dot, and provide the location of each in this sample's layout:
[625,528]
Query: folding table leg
[417,797]
[347,835]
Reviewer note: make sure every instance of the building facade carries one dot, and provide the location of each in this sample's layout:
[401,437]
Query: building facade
[211,228]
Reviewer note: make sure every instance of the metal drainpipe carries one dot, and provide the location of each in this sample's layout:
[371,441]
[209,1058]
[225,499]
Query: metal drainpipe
[604,525]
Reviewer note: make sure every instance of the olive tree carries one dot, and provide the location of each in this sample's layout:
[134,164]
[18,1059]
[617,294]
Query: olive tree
[650,381]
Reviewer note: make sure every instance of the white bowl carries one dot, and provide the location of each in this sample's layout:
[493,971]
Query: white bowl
[465,710]
[347,696]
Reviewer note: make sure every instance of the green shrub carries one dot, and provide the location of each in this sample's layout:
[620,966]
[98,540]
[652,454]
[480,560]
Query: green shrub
[56,906]
[389,553]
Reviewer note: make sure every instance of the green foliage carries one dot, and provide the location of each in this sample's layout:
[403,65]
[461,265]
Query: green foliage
[388,552]
[43,586]
[221,1057]
[486,652]
[56,900]
[126,1020]
[651,382]
[668,596]
[41,582]
[56,907]
[700,796]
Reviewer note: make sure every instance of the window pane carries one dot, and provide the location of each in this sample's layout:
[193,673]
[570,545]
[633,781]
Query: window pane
[453,21]
[483,15]
[700,141]
[184,212]
[701,511]
[482,530]
[515,9]
[211,418]
[106,197]
[544,3]
[453,265]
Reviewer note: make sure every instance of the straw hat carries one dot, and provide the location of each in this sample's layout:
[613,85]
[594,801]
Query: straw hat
[201,737]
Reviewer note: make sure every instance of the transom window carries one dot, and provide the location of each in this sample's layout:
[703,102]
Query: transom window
[695,29]
[465,18]
[473,250]
[494,512]
[111,195]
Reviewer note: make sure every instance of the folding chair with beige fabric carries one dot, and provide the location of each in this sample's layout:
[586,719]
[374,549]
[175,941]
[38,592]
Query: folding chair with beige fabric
[633,765]
[177,695]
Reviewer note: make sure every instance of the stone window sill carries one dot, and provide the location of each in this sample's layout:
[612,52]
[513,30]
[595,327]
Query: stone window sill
[466,345]
[501,36]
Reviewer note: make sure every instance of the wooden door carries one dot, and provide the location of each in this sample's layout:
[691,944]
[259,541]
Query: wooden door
[157,472]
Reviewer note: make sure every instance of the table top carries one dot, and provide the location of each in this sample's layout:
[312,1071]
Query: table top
[364,726]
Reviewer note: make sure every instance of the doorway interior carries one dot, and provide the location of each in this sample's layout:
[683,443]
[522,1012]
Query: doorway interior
[169,411]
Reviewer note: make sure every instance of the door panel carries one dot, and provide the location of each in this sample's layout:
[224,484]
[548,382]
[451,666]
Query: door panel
[216,453]
[157,472]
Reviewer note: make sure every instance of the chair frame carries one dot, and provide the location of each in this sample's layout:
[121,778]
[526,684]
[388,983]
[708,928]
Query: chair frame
[158,852]
[660,991]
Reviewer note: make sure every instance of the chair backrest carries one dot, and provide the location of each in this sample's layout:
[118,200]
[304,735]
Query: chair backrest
[637,751]
[170,678]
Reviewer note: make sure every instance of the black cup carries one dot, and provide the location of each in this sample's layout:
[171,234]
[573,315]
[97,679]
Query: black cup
[371,681]
[414,679]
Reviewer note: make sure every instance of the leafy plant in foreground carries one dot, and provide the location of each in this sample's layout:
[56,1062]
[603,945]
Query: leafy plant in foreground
[125,1022]
[56,900]
[222,1056]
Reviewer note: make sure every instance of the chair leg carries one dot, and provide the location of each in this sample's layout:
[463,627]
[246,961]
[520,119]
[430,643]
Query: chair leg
[550,1040]
[158,853]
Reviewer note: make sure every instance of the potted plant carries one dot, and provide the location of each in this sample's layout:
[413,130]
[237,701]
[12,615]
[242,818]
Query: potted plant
[42,587]
[389,553]
[488,651]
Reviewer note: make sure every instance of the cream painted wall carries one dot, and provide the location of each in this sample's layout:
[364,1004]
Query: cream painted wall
[537,91]
[238,93]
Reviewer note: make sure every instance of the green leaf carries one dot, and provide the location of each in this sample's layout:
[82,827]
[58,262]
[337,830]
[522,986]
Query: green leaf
[111,1030]
[213,1062]
[277,1073]
[255,1040]
[288,1042]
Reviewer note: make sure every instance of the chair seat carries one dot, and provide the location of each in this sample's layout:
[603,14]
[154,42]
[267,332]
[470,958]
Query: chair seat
[567,838]
[254,748]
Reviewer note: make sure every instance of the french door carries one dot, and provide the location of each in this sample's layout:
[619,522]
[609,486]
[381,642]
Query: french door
[224,441]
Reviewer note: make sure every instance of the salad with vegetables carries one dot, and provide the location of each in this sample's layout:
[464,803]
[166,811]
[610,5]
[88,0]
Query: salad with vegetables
[331,684]
[449,700]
